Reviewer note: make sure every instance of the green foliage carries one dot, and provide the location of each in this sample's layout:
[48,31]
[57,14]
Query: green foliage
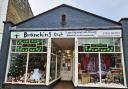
[17,68]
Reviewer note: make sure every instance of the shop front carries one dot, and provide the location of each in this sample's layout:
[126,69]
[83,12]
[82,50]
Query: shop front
[64,44]
[87,58]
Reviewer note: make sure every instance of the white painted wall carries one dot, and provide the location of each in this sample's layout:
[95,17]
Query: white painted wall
[3,13]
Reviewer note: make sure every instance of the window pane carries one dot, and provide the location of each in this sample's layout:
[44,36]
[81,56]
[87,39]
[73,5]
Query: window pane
[58,66]
[84,44]
[52,67]
[13,42]
[88,68]
[112,71]
[45,42]
[44,48]
[117,42]
[106,41]
[96,45]
[91,41]
[37,68]
[13,48]
[117,45]
[17,68]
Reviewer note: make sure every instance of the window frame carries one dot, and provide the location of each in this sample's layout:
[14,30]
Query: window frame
[27,62]
[75,63]
[54,53]
[99,53]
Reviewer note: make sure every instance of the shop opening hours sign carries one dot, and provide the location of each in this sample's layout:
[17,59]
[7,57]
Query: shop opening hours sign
[31,45]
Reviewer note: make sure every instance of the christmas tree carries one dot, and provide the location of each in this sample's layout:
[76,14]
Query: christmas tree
[17,67]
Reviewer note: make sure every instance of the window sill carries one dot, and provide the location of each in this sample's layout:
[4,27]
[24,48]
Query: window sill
[19,83]
[102,85]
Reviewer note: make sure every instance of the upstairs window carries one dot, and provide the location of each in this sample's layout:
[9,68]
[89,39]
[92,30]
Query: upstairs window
[63,19]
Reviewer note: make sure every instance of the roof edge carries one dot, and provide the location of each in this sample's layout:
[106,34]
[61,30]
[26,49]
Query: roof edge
[123,19]
[10,22]
[94,14]
[68,28]
[72,8]
[39,14]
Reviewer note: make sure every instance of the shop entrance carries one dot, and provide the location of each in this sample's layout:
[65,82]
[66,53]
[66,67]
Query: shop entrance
[63,48]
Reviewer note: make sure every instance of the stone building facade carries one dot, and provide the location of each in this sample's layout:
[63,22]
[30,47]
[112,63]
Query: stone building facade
[18,10]
[14,11]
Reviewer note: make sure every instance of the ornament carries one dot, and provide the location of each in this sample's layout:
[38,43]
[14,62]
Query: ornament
[36,75]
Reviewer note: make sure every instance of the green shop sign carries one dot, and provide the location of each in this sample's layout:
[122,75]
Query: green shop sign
[32,45]
[37,49]
[98,48]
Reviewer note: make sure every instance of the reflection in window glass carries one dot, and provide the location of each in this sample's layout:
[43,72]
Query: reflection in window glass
[58,66]
[117,45]
[86,42]
[55,62]
[111,67]
[52,67]
[117,42]
[17,67]
[37,68]
[27,61]
[91,41]
[88,68]
[111,70]
[106,41]
[99,45]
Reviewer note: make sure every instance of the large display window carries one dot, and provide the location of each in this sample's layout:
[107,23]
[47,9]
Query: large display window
[100,62]
[27,61]
[97,62]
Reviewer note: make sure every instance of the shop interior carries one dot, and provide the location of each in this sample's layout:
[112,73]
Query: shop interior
[63,49]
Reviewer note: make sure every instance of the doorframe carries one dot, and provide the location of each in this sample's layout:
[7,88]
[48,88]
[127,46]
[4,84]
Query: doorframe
[76,62]
[75,81]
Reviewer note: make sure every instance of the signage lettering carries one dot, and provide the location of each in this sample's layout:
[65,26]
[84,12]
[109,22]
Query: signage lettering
[57,34]
[30,45]
[40,34]
[98,48]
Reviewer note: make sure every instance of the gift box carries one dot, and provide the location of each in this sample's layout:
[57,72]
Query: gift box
[85,78]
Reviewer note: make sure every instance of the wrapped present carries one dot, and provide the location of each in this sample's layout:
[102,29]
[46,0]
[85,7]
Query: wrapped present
[85,78]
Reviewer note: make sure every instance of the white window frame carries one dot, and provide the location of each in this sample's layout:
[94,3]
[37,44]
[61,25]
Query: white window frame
[27,53]
[75,61]
[99,53]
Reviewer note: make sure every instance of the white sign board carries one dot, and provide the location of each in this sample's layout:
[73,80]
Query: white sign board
[66,34]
